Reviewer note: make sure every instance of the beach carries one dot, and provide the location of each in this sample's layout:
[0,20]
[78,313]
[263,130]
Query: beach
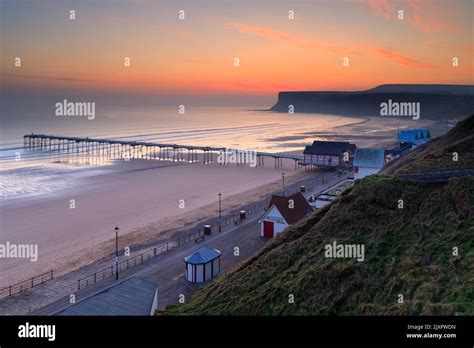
[141,197]
[69,210]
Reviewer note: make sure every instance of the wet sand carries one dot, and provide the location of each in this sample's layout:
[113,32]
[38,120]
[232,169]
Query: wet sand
[141,197]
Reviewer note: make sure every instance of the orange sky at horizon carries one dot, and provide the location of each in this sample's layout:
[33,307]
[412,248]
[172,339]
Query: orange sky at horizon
[195,56]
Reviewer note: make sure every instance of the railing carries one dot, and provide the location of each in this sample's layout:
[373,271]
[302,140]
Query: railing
[194,234]
[136,260]
[26,284]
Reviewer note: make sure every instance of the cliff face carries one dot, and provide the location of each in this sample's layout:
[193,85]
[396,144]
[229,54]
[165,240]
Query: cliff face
[436,101]
[408,251]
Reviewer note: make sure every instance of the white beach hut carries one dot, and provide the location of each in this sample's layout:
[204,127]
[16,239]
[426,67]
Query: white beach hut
[203,265]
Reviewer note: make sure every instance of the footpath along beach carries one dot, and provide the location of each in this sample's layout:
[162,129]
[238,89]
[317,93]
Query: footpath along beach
[141,197]
[166,269]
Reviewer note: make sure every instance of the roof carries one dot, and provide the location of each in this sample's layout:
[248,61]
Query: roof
[300,209]
[203,255]
[133,296]
[399,149]
[415,136]
[369,158]
[330,148]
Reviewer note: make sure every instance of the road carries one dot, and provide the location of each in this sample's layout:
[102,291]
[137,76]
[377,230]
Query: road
[166,270]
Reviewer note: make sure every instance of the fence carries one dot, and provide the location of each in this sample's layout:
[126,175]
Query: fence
[234,218]
[26,284]
[194,234]
[136,260]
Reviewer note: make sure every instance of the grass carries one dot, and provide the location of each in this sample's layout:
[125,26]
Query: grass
[437,155]
[408,251]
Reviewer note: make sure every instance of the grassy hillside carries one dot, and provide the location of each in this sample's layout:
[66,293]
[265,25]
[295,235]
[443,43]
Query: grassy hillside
[438,154]
[408,251]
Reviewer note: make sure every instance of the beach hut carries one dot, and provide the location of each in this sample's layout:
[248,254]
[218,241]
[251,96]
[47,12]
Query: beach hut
[202,265]
[368,161]
[283,212]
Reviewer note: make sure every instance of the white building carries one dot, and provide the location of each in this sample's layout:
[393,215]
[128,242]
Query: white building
[368,161]
[203,265]
[283,212]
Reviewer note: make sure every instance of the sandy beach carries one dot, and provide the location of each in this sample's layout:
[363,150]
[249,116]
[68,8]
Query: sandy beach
[367,131]
[141,197]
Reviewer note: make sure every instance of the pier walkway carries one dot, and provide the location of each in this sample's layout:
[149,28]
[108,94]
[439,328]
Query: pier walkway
[115,148]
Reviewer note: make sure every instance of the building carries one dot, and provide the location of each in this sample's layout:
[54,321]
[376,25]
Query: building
[322,200]
[395,152]
[203,265]
[329,153]
[368,161]
[283,212]
[133,296]
[415,137]
[327,196]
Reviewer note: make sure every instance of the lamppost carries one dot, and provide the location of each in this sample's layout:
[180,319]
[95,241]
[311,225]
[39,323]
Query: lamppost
[283,183]
[116,229]
[220,213]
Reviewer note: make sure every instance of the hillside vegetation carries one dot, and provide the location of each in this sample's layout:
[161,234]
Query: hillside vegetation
[408,251]
[437,155]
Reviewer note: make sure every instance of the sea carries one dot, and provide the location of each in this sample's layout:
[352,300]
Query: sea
[24,172]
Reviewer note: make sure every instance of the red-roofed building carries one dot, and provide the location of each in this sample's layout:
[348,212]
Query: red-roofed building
[283,212]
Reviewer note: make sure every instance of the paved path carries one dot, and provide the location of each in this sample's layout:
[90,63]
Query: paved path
[441,176]
[167,270]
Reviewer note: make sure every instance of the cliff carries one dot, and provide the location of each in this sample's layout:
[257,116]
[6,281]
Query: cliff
[436,101]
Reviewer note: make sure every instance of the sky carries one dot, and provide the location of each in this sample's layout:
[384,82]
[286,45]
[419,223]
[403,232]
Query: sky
[193,59]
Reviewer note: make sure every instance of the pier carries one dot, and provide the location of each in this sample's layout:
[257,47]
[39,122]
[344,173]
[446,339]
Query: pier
[125,149]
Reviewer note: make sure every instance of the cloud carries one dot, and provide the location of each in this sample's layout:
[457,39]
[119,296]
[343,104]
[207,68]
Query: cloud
[47,77]
[265,32]
[427,16]
[346,50]
[399,58]
[298,40]
[382,8]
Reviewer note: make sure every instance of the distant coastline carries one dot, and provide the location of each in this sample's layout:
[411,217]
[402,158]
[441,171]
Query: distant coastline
[438,102]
